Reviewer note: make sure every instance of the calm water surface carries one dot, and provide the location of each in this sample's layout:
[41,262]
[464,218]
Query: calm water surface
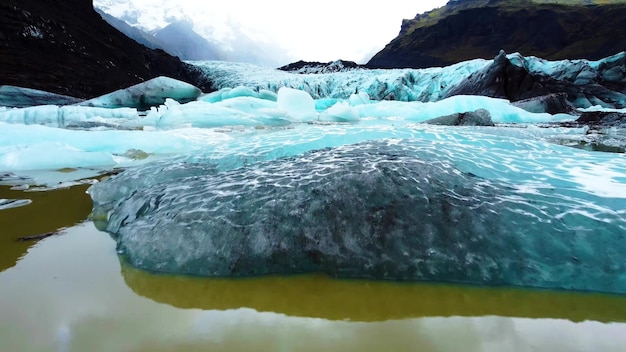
[71,293]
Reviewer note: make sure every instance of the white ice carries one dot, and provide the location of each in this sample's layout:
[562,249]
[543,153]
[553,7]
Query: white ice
[424,85]
[149,93]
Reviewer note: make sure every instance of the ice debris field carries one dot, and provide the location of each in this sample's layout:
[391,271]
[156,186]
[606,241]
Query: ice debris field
[262,180]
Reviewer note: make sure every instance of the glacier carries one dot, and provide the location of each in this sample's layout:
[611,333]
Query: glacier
[586,83]
[282,173]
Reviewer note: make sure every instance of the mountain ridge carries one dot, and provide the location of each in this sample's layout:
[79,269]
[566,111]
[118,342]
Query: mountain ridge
[469,29]
[67,48]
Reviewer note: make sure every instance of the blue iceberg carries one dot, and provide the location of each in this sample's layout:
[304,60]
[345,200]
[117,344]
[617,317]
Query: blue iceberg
[423,208]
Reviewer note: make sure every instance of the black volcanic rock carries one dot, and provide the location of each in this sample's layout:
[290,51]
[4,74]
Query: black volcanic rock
[464,30]
[480,117]
[65,47]
[320,67]
[501,79]
[602,119]
[513,79]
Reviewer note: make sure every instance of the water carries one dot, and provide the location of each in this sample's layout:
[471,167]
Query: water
[72,292]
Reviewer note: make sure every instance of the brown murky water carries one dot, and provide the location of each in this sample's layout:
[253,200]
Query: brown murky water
[69,292]
[48,212]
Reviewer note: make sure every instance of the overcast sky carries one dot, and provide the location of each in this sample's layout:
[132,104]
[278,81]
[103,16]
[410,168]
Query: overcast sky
[319,30]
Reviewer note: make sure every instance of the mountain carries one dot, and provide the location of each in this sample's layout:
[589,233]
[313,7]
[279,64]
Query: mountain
[180,39]
[469,29]
[185,23]
[177,39]
[134,33]
[67,48]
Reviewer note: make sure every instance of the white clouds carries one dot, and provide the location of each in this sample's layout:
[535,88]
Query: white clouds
[321,30]
[325,30]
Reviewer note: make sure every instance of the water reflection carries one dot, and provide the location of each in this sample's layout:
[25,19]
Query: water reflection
[47,212]
[67,294]
[324,297]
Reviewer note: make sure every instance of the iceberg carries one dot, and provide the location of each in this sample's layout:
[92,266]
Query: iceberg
[68,116]
[147,94]
[397,203]
[19,97]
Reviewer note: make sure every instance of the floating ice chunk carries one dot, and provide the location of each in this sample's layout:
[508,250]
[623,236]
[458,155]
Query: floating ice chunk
[240,111]
[325,103]
[501,110]
[599,108]
[240,91]
[297,104]
[267,95]
[19,97]
[388,209]
[213,96]
[64,116]
[340,112]
[247,104]
[144,95]
[51,156]
[13,203]
[41,115]
[44,148]
[359,99]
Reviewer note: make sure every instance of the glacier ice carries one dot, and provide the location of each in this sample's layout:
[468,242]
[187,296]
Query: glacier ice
[298,104]
[144,95]
[19,97]
[378,201]
[28,148]
[402,85]
[283,173]
[68,116]
[587,82]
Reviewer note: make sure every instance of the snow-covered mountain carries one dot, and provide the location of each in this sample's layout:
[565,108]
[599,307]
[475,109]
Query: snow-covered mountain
[227,39]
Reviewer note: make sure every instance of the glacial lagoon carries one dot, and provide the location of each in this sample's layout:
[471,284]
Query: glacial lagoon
[71,292]
[235,159]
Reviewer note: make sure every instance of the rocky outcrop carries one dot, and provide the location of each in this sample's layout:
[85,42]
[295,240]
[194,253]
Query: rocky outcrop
[464,30]
[67,48]
[480,117]
[555,103]
[518,78]
[603,119]
[501,79]
[320,67]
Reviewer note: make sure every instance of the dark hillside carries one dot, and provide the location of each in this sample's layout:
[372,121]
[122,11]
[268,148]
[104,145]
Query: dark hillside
[65,47]
[465,30]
